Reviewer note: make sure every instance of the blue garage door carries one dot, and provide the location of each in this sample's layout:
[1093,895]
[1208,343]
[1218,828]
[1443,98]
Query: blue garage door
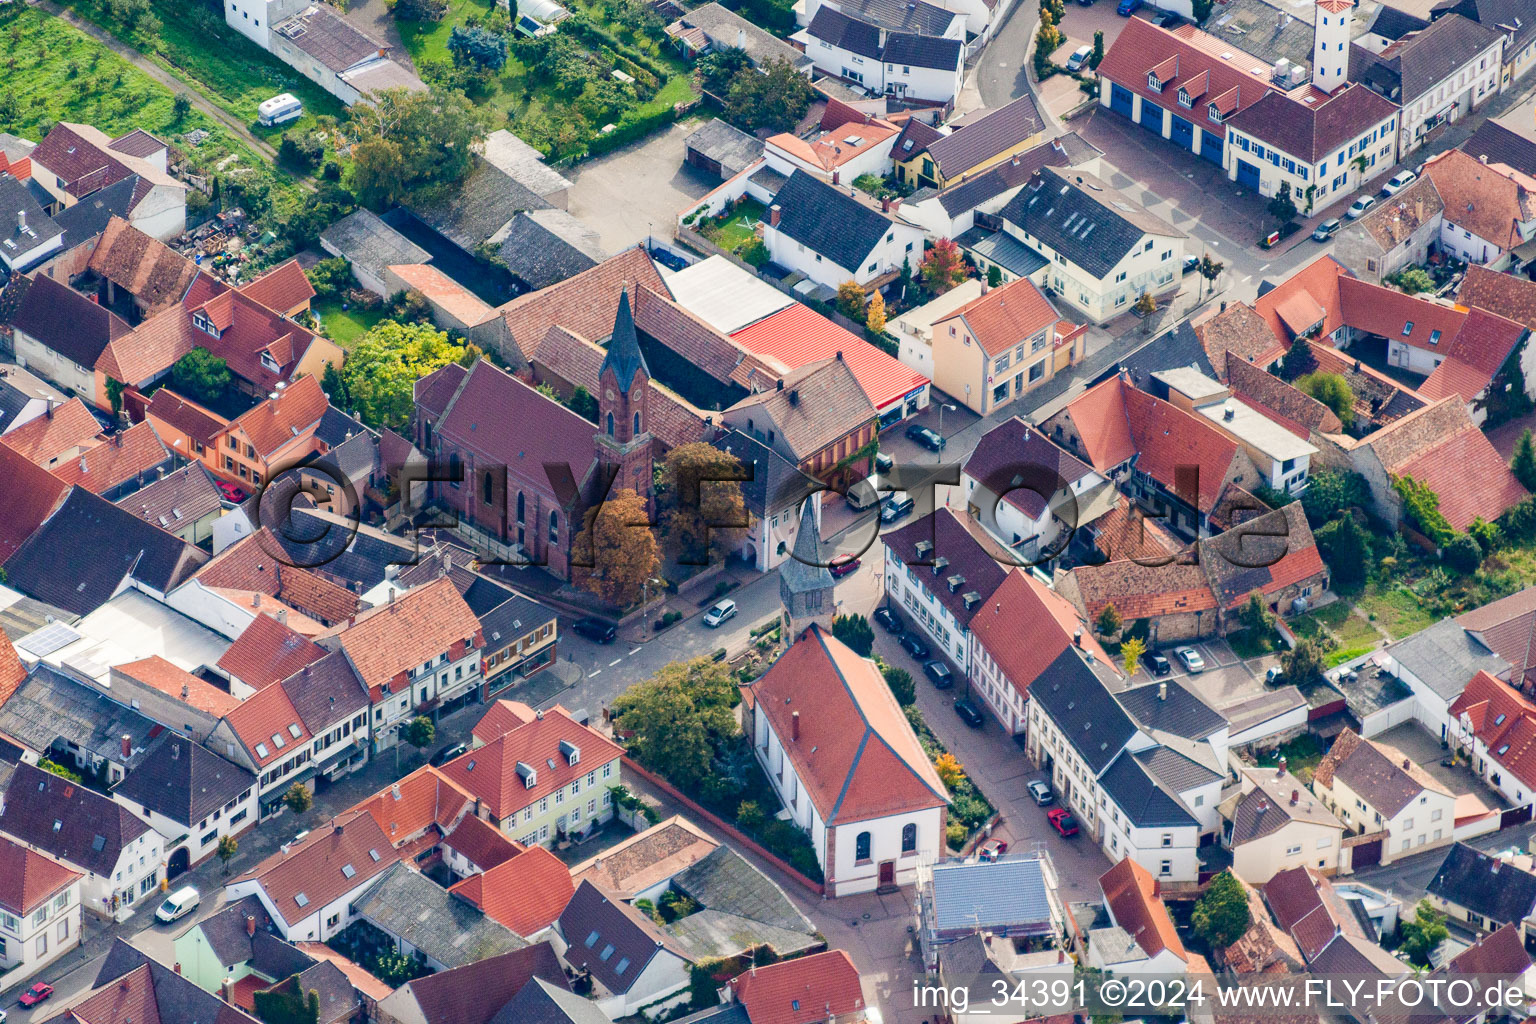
[1247,174]
[1210,147]
[1152,117]
[1183,132]
[1120,100]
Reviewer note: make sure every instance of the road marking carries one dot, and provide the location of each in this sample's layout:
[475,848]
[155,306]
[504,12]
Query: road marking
[594,673]
[614,662]
[1264,267]
[632,653]
[1247,278]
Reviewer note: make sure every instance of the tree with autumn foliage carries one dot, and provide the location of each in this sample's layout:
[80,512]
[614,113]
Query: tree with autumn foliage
[951,771]
[943,267]
[699,504]
[616,552]
[850,301]
[874,316]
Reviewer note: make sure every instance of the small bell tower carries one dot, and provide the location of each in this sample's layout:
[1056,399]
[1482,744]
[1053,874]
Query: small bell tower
[1330,44]
[805,583]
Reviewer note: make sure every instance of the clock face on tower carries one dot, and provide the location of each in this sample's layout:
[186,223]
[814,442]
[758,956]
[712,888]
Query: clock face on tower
[610,394]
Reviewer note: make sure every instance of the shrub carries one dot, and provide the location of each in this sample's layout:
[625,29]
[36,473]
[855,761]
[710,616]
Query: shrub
[1463,553]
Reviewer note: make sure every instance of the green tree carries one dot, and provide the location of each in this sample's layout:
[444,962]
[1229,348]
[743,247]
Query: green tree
[1346,547]
[334,386]
[1303,664]
[201,376]
[1463,553]
[1221,916]
[1210,270]
[228,847]
[115,389]
[1130,654]
[1201,9]
[1109,621]
[699,504]
[287,1003]
[942,266]
[1098,49]
[330,278]
[477,48]
[679,717]
[718,68]
[994,276]
[298,798]
[616,551]
[181,106]
[418,10]
[1331,491]
[1524,462]
[856,632]
[774,96]
[1423,933]
[1333,391]
[381,372]
[901,684]
[850,301]
[1299,360]
[1282,205]
[419,732]
[1413,280]
[1254,615]
[407,142]
[1489,536]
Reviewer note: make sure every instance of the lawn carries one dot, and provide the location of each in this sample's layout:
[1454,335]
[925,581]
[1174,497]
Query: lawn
[1397,611]
[1247,644]
[345,326]
[55,72]
[737,229]
[1302,755]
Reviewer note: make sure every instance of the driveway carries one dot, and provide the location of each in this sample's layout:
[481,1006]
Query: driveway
[638,191]
[1425,751]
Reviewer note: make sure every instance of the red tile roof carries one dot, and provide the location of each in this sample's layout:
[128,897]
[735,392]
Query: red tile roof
[1144,591]
[1307,906]
[798,335]
[283,288]
[1006,316]
[1468,474]
[1314,287]
[1477,352]
[1508,627]
[490,772]
[150,348]
[184,416]
[1026,625]
[28,878]
[30,496]
[313,873]
[857,755]
[803,991]
[268,724]
[484,845]
[1131,894]
[527,893]
[58,434]
[586,304]
[174,681]
[288,419]
[12,671]
[1504,294]
[387,641]
[443,292]
[1489,200]
[501,718]
[1226,75]
[253,564]
[406,809]
[129,455]
[1397,316]
[268,652]
[1501,717]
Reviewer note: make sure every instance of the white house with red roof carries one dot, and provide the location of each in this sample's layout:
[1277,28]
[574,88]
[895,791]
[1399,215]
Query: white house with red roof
[810,990]
[39,910]
[845,762]
[1494,727]
[1141,938]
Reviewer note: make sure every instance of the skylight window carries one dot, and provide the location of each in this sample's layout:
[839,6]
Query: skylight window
[302,900]
[1504,749]
[294,730]
[606,953]
[592,940]
[347,870]
[375,855]
[278,741]
[99,843]
[1434,337]
[1500,720]
[1407,328]
[261,750]
[623,965]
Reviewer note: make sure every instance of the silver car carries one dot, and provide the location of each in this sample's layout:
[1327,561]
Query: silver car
[1190,658]
[1040,791]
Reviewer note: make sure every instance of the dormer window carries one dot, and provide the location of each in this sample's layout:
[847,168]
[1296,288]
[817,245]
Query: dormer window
[270,363]
[1185,100]
[1153,82]
[201,322]
[528,773]
[571,752]
[1213,114]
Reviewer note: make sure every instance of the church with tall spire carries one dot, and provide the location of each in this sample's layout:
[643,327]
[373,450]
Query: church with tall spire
[623,440]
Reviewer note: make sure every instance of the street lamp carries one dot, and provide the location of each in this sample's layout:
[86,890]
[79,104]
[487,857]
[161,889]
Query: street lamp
[942,407]
[645,599]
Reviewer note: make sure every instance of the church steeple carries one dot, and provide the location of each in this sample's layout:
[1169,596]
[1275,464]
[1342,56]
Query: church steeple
[805,583]
[623,406]
[624,357]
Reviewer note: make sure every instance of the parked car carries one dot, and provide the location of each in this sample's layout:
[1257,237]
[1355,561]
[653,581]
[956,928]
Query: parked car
[969,713]
[231,492]
[887,619]
[448,753]
[1274,675]
[1398,182]
[1040,791]
[600,630]
[926,436]
[719,613]
[895,507]
[1062,821]
[939,672]
[1359,206]
[39,991]
[862,495]
[992,849]
[1190,658]
[913,645]
[1326,230]
[1126,8]
[1159,664]
[843,564]
[178,903]
[1079,58]
[883,462]
[1191,264]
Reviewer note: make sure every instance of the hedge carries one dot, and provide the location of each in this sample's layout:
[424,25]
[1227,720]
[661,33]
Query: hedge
[629,131]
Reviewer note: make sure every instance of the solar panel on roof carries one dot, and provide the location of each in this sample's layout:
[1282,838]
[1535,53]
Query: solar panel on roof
[50,638]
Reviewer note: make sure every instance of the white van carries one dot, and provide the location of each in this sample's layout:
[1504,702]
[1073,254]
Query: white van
[177,904]
[280,110]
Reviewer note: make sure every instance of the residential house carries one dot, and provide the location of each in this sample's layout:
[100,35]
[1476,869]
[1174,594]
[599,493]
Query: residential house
[285,289]
[844,144]
[423,920]
[832,237]
[473,994]
[369,246]
[454,307]
[642,866]
[973,144]
[474,847]
[1377,790]
[1435,74]
[130,986]
[310,889]
[1490,208]
[1029,493]
[314,723]
[1506,627]
[1173,462]
[161,690]
[632,962]
[192,797]
[1332,931]
[1265,948]
[1505,295]
[773,494]
[1006,341]
[943,568]
[1181,84]
[1104,249]
[1141,938]
[53,715]
[32,497]
[76,161]
[32,238]
[39,910]
[1394,234]
[521,636]
[184,503]
[271,437]
[1176,601]
[1282,458]
[1436,665]
[527,892]
[532,782]
[59,334]
[873,810]
[231,592]
[322,46]
[418,812]
[1484,891]
[1277,824]
[711,27]
[137,275]
[828,981]
[1013,898]
[1501,954]
[417,654]
[24,397]
[120,856]
[1505,16]
[911,66]
[117,465]
[1489,723]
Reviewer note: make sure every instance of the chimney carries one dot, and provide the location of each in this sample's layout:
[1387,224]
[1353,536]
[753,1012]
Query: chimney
[255,600]
[794,726]
[21,217]
[282,617]
[227,991]
[773,221]
[391,595]
[448,562]
[1280,770]
[1162,691]
[127,745]
[50,409]
[176,967]
[741,39]
[1015,160]
[1482,159]
[1263,804]
[1223,305]
[1407,764]
[1077,638]
[250,924]
[885,205]
[985,287]
[837,177]
[1295,797]
[185,690]
[1229,411]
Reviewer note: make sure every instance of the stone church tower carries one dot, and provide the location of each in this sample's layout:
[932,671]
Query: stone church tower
[805,583]
[1330,44]
[623,403]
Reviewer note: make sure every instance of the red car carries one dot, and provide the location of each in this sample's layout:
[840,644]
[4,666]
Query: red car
[231,492]
[36,994]
[1062,821]
[992,849]
[842,565]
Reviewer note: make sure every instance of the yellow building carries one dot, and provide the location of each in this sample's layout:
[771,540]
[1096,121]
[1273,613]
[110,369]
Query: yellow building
[1001,344]
[930,157]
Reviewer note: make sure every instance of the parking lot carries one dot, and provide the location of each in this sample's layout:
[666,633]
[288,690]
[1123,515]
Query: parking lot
[639,190]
